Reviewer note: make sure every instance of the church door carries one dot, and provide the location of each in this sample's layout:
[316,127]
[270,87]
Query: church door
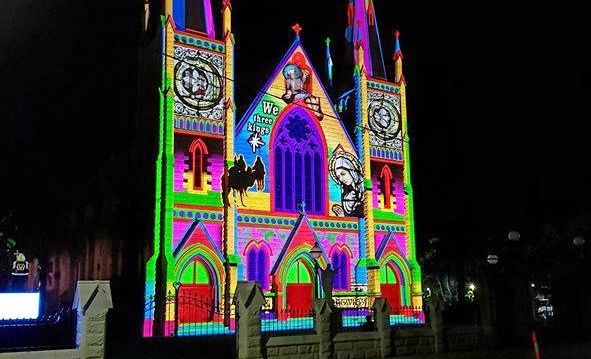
[299,290]
[390,287]
[196,295]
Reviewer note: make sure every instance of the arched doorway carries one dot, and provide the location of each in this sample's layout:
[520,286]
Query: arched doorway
[299,289]
[197,293]
[391,286]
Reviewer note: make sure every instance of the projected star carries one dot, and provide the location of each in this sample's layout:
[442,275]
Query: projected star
[255,141]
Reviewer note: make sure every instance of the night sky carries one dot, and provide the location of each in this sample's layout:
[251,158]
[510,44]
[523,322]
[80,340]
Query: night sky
[497,99]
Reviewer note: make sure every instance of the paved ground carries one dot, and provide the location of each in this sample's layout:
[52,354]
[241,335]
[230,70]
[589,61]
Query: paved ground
[556,351]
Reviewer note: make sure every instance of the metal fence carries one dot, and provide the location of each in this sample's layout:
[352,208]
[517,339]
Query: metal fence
[406,315]
[190,315]
[55,331]
[287,320]
[363,317]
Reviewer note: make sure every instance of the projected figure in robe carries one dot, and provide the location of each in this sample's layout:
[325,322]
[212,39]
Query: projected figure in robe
[298,86]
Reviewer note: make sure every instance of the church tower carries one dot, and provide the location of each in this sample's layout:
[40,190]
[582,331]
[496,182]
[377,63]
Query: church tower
[193,245]
[384,150]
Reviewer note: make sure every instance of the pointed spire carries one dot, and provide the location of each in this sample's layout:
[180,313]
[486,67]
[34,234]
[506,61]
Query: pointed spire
[371,15]
[398,76]
[360,61]
[397,51]
[329,63]
[190,18]
[227,17]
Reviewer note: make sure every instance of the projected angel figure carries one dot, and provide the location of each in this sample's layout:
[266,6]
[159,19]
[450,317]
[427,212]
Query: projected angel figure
[298,86]
[346,171]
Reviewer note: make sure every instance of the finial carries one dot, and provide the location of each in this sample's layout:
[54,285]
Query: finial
[329,63]
[302,207]
[297,29]
[397,43]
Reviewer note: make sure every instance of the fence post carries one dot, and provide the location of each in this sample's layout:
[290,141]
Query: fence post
[381,309]
[92,301]
[177,287]
[326,324]
[249,300]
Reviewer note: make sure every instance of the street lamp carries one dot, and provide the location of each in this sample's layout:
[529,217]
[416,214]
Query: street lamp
[315,253]
[513,236]
[579,241]
[492,259]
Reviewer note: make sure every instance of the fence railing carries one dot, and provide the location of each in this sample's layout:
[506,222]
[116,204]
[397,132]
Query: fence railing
[289,320]
[186,314]
[362,317]
[189,315]
[55,331]
[406,315]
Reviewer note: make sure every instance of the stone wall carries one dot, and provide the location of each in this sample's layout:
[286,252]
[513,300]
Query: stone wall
[329,341]
[462,338]
[44,354]
[357,345]
[413,340]
[295,346]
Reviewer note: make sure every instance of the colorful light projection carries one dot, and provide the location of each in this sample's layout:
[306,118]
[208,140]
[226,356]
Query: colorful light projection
[250,203]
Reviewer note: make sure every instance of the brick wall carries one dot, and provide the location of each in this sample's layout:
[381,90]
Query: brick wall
[357,345]
[463,338]
[295,346]
[411,341]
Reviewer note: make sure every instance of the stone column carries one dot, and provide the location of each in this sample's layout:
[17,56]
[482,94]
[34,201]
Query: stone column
[381,309]
[92,302]
[248,299]
[436,315]
[326,324]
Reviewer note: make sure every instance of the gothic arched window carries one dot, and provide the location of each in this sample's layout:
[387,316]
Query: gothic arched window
[257,266]
[198,151]
[386,183]
[299,164]
[340,263]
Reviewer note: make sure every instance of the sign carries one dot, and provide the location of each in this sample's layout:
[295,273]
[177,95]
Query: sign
[351,302]
[20,267]
[268,303]
[19,306]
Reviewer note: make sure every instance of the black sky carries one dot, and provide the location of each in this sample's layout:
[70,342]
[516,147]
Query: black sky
[497,101]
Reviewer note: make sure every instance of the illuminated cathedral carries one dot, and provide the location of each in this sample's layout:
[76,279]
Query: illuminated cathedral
[247,196]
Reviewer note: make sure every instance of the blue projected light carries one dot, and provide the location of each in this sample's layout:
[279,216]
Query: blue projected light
[19,305]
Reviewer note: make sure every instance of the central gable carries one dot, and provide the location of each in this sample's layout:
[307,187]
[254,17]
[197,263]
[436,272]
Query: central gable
[294,89]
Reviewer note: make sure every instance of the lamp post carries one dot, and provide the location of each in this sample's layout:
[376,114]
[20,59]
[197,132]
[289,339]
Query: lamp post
[315,253]
[579,242]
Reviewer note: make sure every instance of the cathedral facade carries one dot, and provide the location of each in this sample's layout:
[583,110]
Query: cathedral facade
[282,192]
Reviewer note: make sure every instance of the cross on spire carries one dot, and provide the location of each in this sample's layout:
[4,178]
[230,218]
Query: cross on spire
[297,29]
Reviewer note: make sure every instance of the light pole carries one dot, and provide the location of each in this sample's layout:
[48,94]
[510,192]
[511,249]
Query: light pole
[579,242]
[315,253]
